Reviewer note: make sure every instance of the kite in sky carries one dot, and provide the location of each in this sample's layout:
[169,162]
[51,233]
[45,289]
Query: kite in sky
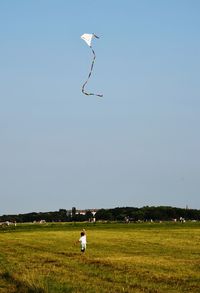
[88,39]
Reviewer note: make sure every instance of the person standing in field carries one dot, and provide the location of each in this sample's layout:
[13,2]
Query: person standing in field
[83,241]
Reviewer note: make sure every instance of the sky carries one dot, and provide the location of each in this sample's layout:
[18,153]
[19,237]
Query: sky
[138,145]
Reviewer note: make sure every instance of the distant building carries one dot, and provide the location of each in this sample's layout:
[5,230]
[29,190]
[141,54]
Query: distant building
[83,212]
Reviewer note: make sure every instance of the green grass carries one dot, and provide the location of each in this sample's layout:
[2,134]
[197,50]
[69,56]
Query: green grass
[162,257]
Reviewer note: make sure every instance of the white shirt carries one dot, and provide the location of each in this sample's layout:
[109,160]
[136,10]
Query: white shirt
[83,239]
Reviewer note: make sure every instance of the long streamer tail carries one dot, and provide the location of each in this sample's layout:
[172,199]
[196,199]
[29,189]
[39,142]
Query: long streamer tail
[89,75]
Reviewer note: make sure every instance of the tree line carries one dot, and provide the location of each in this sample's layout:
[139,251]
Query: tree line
[146,213]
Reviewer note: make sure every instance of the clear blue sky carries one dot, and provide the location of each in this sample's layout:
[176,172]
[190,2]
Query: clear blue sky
[137,146]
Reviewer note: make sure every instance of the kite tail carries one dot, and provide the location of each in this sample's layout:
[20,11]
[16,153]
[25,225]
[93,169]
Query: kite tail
[89,75]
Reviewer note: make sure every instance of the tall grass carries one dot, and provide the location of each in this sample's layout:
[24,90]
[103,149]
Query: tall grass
[119,258]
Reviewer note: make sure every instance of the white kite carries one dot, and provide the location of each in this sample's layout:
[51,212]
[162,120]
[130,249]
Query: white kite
[88,39]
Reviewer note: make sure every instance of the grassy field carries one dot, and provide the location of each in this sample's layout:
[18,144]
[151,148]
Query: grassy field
[162,257]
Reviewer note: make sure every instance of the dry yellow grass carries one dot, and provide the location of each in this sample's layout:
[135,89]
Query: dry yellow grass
[119,258]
